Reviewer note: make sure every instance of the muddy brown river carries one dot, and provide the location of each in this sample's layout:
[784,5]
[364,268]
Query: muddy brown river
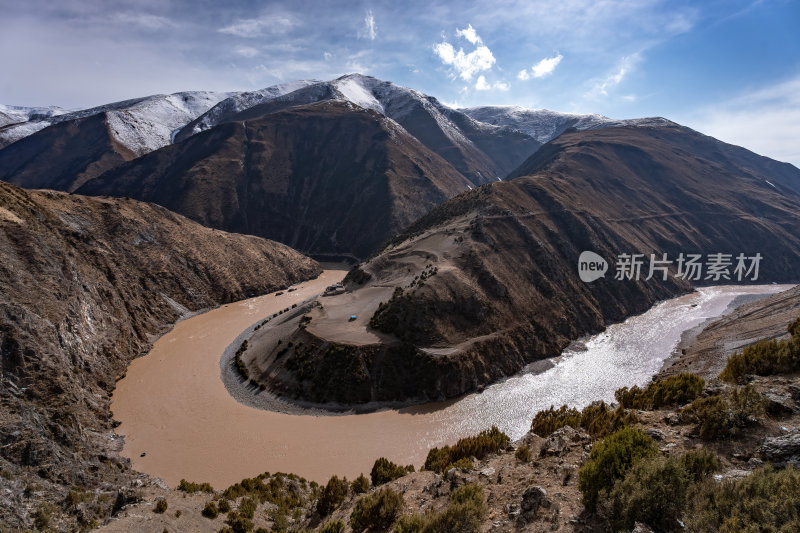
[175,409]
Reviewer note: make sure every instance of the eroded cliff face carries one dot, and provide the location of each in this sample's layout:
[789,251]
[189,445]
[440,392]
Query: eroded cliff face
[488,282]
[86,284]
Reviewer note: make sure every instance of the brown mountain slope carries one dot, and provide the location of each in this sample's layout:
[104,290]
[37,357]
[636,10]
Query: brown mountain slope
[481,152]
[63,156]
[85,285]
[498,267]
[328,179]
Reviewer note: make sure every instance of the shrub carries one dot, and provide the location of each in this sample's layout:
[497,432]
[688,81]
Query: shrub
[479,446]
[379,510]
[610,459]
[699,464]
[720,417]
[239,523]
[247,508]
[384,471]
[766,357]
[653,491]
[765,500]
[360,484]
[332,495]
[210,510]
[224,506]
[161,506]
[191,487]
[463,515]
[523,453]
[547,421]
[672,391]
[337,526]
[239,362]
[598,419]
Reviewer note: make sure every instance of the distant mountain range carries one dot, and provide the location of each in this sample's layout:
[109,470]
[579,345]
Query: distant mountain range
[299,185]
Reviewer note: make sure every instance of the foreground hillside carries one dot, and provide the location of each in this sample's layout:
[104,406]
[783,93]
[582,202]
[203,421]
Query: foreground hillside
[488,282]
[681,454]
[86,284]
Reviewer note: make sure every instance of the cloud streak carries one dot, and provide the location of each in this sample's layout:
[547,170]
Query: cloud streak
[765,121]
[260,27]
[370,30]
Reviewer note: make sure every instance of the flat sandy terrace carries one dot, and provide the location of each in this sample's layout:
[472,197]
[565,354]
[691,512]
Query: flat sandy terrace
[174,406]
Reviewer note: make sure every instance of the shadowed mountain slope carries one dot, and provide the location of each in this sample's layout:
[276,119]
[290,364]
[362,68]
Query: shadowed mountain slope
[328,179]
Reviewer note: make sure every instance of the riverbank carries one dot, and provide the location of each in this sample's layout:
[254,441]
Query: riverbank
[704,350]
[193,428]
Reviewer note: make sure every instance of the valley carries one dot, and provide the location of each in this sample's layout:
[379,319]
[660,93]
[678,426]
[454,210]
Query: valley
[164,318]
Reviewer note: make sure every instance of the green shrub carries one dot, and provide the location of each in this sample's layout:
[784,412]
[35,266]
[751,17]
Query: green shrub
[273,489]
[224,506]
[337,526]
[239,523]
[479,446]
[547,421]
[464,514]
[653,491]
[765,500]
[724,416]
[247,508]
[191,487]
[161,506]
[360,484]
[699,464]
[384,471]
[766,357]
[332,495]
[672,391]
[598,419]
[379,510]
[610,459]
[210,510]
[523,454]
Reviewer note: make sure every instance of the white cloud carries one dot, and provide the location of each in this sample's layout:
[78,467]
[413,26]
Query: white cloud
[623,68]
[327,56]
[482,85]
[143,20]
[259,27]
[370,30]
[247,51]
[469,34]
[764,121]
[466,65]
[546,66]
[523,74]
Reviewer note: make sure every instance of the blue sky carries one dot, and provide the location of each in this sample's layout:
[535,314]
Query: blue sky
[727,68]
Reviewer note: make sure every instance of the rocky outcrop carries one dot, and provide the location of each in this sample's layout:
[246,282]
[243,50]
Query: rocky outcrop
[784,448]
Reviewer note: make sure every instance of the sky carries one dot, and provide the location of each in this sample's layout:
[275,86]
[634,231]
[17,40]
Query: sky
[727,68]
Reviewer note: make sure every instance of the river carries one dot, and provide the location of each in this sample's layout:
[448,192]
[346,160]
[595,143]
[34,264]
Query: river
[175,409]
